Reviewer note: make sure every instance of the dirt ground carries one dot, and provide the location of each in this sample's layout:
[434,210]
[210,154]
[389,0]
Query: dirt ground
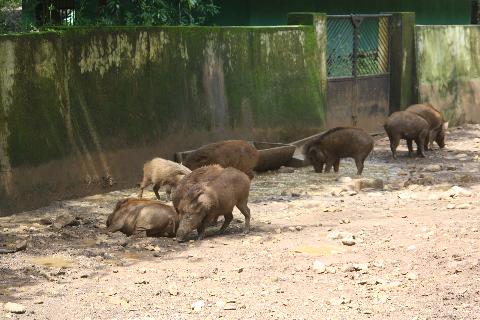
[413,250]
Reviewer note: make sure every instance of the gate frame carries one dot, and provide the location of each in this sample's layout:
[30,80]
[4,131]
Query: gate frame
[356,20]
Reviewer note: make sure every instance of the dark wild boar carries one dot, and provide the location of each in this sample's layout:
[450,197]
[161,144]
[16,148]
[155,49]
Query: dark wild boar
[336,144]
[133,216]
[238,154]
[409,126]
[161,172]
[210,198]
[437,124]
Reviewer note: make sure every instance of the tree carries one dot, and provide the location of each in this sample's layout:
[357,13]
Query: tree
[151,12]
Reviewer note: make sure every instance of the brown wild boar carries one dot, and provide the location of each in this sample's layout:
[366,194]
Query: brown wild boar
[237,154]
[409,126]
[161,172]
[132,216]
[210,198]
[338,143]
[437,124]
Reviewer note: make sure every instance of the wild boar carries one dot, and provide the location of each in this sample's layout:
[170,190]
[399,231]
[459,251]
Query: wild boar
[437,124]
[338,143]
[160,172]
[133,216]
[210,198]
[409,126]
[237,154]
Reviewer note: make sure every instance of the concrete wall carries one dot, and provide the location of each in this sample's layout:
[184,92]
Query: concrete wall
[448,70]
[81,110]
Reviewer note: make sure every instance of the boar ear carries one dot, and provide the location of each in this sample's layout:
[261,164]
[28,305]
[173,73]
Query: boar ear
[445,125]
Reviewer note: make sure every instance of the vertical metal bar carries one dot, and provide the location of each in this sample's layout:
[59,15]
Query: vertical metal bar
[356,21]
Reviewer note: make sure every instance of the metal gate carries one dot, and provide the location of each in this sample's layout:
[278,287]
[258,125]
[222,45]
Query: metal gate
[358,66]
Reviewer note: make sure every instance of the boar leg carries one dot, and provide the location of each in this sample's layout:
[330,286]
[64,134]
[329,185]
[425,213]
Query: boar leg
[143,185]
[156,187]
[168,191]
[359,164]
[329,165]
[318,166]
[410,147]
[336,165]
[394,141]
[228,218]
[246,212]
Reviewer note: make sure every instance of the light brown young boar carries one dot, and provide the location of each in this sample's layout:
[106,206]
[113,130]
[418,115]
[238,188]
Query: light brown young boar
[215,194]
[437,124]
[338,143]
[133,216]
[237,154]
[409,126]
[161,172]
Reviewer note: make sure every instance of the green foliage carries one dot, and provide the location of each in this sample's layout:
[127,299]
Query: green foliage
[9,15]
[149,12]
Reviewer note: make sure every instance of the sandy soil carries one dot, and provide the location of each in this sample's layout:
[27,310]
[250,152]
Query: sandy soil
[415,255]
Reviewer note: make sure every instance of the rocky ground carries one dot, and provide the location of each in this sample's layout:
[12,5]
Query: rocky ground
[322,247]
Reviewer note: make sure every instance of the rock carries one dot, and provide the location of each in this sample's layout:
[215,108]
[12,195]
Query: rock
[344,221]
[299,228]
[455,192]
[378,264]
[46,221]
[360,266]
[366,183]
[348,242]
[412,248]
[319,267]
[292,229]
[348,268]
[345,179]
[450,206]
[433,168]
[65,220]
[331,270]
[230,306]
[278,230]
[412,276]
[464,206]
[172,289]
[14,308]
[198,305]
[334,235]
[286,170]
[451,168]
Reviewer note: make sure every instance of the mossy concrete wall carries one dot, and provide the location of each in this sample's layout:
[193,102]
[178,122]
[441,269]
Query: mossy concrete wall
[81,110]
[448,70]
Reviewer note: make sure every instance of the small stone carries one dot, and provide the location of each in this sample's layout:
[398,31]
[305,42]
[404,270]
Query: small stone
[412,276]
[463,206]
[433,168]
[360,266]
[299,228]
[348,242]
[291,228]
[412,248]
[115,270]
[230,306]
[319,267]
[14,308]
[378,264]
[46,221]
[198,305]
[450,206]
[344,179]
[172,289]
[331,270]
[65,220]
[334,235]
[362,184]
[348,268]
[474,230]
[278,230]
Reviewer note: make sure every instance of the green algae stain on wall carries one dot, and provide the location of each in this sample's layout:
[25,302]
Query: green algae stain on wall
[7,81]
[448,70]
[74,102]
